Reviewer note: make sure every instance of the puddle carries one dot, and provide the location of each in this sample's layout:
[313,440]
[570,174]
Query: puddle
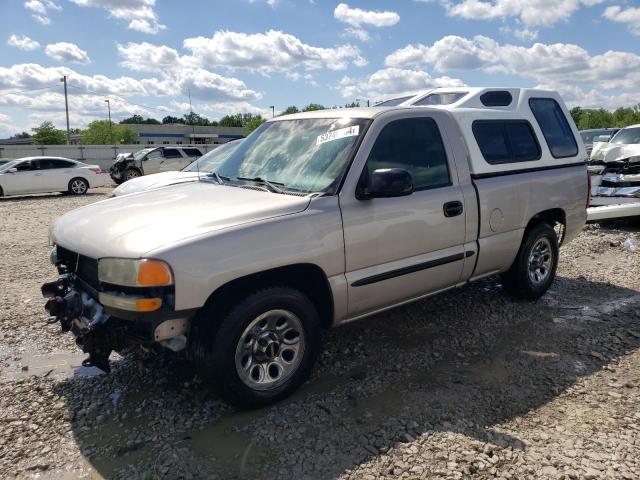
[58,365]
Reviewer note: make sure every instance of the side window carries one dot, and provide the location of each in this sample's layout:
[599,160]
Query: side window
[554,126]
[49,163]
[171,153]
[415,145]
[506,141]
[192,152]
[25,166]
[154,154]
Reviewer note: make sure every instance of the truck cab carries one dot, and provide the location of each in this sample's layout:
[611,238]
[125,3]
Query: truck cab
[322,218]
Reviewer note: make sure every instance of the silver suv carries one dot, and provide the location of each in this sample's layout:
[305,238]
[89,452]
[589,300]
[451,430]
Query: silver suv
[152,160]
[318,219]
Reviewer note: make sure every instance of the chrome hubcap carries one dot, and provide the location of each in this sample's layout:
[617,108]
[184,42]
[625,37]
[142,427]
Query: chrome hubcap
[131,174]
[540,261]
[270,349]
[78,186]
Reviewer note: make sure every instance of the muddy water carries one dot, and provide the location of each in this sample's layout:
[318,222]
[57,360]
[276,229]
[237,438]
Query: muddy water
[57,365]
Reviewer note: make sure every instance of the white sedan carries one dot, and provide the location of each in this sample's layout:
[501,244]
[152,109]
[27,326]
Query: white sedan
[48,174]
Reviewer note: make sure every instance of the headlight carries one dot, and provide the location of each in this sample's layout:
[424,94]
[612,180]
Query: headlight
[53,256]
[134,273]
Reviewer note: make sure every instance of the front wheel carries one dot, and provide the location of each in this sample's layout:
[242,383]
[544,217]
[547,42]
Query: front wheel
[534,268]
[262,350]
[129,174]
[78,186]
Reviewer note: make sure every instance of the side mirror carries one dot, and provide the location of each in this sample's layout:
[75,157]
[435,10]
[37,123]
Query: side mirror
[12,170]
[387,183]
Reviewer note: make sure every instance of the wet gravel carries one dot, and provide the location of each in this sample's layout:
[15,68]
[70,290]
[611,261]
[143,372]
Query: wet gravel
[468,384]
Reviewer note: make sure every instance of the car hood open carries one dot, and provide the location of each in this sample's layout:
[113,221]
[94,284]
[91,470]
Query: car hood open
[615,152]
[132,226]
[156,180]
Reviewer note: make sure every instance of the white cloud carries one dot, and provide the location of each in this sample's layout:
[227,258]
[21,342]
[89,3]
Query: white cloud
[67,52]
[269,52]
[630,16]
[139,13]
[22,42]
[147,57]
[356,18]
[548,63]
[529,12]
[40,9]
[392,81]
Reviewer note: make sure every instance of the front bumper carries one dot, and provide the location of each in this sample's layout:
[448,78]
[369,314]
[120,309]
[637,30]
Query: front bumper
[100,329]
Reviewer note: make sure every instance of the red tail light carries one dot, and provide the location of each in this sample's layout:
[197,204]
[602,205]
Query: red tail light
[95,169]
[588,188]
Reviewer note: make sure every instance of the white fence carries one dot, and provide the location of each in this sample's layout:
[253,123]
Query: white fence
[102,155]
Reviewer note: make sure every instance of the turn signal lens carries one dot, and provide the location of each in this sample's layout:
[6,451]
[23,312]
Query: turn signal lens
[148,304]
[153,273]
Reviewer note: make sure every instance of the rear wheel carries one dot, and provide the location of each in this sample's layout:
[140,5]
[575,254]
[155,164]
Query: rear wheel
[129,174]
[534,268]
[262,350]
[78,186]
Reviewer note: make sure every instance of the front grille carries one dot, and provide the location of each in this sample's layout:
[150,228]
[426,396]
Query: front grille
[85,268]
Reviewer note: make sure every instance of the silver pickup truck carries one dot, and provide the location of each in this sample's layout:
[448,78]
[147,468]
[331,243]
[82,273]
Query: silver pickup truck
[318,219]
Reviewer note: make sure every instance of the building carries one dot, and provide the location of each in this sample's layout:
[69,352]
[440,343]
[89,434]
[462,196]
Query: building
[177,133]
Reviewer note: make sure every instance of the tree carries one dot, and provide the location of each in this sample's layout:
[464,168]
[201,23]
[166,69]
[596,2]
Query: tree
[290,110]
[48,134]
[98,133]
[313,106]
[169,119]
[253,123]
[20,135]
[138,120]
[193,118]
[231,121]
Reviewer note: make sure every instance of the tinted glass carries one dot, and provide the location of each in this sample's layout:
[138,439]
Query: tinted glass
[49,163]
[192,152]
[506,141]
[627,136]
[496,99]
[415,145]
[393,102]
[441,98]
[25,166]
[554,126]
[171,153]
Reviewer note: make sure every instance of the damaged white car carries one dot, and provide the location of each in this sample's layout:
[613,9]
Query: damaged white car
[617,165]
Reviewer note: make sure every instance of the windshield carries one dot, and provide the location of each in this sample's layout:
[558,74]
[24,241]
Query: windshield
[596,136]
[8,165]
[627,136]
[393,102]
[141,153]
[307,155]
[212,160]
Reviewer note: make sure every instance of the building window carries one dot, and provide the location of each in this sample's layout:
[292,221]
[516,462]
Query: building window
[149,142]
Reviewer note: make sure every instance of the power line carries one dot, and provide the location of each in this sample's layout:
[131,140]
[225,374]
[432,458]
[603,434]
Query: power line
[28,90]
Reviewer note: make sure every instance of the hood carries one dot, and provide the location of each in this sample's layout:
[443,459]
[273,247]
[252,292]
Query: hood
[131,226]
[613,152]
[157,180]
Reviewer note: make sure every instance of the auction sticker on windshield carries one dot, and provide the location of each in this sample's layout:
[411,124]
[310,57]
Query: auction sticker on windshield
[338,134]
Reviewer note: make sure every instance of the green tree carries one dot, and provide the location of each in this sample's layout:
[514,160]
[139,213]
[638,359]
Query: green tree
[313,106]
[231,121]
[169,119]
[290,110]
[139,120]
[48,134]
[98,133]
[193,118]
[20,135]
[253,123]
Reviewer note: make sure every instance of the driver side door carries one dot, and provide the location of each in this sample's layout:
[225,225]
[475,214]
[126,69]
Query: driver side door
[152,162]
[28,179]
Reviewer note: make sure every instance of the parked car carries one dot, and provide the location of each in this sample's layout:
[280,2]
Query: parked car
[318,219]
[152,160]
[619,164]
[591,136]
[206,164]
[48,174]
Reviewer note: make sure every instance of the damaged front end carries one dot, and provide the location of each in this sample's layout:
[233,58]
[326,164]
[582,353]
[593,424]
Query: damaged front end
[106,317]
[120,164]
[618,167]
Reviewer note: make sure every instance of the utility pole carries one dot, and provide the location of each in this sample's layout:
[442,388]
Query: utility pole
[110,129]
[273,111]
[66,105]
[193,127]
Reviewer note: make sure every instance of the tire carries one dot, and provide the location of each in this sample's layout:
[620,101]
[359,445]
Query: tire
[78,186]
[262,349]
[534,268]
[117,181]
[130,174]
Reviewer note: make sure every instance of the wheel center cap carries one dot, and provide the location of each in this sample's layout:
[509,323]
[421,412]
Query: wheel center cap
[267,347]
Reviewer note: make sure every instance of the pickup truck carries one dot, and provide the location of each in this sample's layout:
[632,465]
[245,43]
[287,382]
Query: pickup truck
[318,219]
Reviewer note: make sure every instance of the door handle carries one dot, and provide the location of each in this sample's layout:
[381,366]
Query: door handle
[452,209]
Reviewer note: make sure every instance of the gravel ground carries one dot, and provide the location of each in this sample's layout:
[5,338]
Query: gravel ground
[465,384]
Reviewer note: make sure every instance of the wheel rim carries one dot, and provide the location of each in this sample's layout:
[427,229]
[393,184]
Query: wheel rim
[540,261]
[131,174]
[78,187]
[270,349]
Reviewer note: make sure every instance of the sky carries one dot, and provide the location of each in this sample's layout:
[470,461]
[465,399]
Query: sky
[145,56]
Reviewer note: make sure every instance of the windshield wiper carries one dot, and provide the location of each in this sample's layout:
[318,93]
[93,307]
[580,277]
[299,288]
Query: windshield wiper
[219,178]
[271,185]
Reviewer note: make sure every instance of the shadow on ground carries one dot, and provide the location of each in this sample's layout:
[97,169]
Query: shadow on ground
[460,362]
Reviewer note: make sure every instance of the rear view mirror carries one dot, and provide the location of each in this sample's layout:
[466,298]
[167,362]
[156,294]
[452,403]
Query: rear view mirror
[387,183]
